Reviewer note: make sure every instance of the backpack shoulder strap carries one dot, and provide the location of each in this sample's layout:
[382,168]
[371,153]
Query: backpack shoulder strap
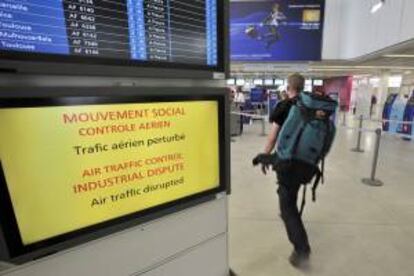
[302,205]
[316,182]
[304,112]
[318,177]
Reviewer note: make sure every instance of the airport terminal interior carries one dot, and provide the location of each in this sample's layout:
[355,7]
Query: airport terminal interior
[206,137]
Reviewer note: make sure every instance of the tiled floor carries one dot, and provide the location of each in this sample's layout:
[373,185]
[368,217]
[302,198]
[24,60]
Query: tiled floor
[354,229]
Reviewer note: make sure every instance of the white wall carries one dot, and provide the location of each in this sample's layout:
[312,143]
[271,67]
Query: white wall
[407,21]
[352,31]
[331,42]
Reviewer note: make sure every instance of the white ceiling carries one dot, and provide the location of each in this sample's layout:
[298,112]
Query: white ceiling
[372,64]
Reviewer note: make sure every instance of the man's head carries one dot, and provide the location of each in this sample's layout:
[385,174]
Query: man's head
[276,7]
[296,84]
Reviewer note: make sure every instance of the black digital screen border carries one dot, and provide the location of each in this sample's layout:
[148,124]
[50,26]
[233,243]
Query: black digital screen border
[17,252]
[74,60]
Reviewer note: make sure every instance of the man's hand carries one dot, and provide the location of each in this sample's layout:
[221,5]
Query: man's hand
[265,168]
[265,160]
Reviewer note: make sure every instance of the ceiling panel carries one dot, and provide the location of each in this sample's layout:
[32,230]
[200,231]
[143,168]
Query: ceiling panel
[374,63]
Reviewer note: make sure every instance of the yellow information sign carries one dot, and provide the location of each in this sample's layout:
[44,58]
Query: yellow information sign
[70,167]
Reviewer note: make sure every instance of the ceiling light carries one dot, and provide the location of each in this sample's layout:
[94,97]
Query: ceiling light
[360,67]
[399,56]
[376,7]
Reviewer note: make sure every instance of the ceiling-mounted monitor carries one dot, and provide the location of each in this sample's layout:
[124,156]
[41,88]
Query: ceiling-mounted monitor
[395,81]
[240,82]
[308,85]
[258,81]
[231,82]
[283,30]
[318,82]
[279,82]
[166,33]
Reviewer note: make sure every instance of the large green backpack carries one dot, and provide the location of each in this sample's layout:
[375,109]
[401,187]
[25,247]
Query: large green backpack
[306,137]
[304,140]
[307,134]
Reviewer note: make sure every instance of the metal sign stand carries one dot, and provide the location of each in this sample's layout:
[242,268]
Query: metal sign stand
[372,181]
[358,146]
[263,126]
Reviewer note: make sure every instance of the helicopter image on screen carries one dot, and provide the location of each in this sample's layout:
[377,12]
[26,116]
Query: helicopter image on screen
[268,29]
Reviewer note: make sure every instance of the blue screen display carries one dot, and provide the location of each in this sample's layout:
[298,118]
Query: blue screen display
[276,30]
[172,31]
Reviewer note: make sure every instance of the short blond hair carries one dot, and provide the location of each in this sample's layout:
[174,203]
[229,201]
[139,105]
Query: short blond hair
[296,82]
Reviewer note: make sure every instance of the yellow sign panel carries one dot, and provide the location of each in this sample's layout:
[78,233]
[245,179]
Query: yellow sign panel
[75,166]
[311,16]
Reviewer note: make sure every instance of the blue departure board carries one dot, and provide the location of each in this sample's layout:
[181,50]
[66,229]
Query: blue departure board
[157,31]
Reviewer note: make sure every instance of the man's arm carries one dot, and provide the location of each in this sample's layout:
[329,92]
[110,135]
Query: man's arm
[271,138]
[270,144]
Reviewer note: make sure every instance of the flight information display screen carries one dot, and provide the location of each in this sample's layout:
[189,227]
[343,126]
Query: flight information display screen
[127,31]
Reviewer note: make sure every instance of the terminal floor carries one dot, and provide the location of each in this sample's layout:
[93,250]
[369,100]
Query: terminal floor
[354,229]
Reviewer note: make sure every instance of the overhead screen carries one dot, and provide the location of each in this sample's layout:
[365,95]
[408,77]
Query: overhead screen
[276,30]
[121,32]
[231,82]
[258,82]
[75,163]
[240,82]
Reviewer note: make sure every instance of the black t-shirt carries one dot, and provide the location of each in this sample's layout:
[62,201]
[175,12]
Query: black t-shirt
[281,111]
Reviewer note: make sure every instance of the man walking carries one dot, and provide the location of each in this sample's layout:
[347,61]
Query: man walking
[290,177]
